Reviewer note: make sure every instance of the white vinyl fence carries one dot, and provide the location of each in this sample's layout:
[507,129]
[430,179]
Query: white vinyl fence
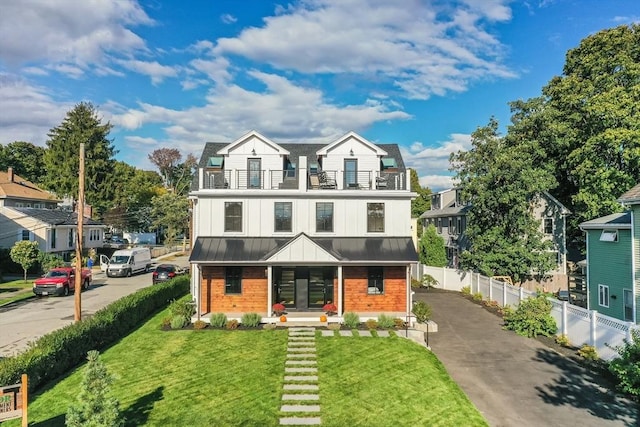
[580,325]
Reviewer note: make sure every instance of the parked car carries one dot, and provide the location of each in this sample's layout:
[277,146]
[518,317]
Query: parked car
[60,281]
[166,272]
[115,242]
[563,295]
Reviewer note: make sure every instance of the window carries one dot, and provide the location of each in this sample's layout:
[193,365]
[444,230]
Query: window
[389,163]
[70,241]
[627,296]
[458,225]
[233,216]
[450,230]
[282,213]
[439,225]
[375,217]
[324,216]
[376,281]
[603,295]
[53,238]
[26,235]
[548,226]
[233,280]
[609,236]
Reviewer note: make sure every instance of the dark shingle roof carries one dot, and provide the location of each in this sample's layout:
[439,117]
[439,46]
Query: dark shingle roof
[56,216]
[450,211]
[345,249]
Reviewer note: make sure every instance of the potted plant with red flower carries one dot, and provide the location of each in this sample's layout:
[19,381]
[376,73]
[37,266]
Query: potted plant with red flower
[330,309]
[278,309]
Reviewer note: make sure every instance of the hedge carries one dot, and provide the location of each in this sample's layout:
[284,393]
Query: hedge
[56,353]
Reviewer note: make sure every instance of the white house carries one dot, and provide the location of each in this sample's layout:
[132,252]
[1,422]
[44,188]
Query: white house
[303,225]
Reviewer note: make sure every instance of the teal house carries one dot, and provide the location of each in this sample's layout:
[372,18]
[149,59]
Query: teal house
[613,260]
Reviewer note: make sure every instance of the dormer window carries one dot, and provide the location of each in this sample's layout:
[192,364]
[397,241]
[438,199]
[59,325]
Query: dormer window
[388,163]
[609,236]
[215,162]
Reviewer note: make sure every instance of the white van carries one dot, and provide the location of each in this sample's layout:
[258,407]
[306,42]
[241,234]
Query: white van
[125,262]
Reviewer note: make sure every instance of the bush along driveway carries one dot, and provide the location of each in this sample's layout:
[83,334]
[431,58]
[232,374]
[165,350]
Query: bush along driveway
[517,381]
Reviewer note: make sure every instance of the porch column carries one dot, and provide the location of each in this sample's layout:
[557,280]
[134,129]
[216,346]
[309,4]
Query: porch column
[269,291]
[340,290]
[409,292]
[197,276]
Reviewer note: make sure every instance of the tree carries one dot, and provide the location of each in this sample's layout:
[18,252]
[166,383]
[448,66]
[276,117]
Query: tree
[25,158]
[182,175]
[166,159]
[170,212]
[500,178]
[588,124]
[432,250]
[422,203]
[94,406]
[81,125]
[26,254]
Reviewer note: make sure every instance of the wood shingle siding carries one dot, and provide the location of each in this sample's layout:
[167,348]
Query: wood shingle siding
[357,299]
[253,298]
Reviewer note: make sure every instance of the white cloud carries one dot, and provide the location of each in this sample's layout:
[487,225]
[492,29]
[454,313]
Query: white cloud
[69,31]
[28,112]
[153,69]
[432,163]
[228,19]
[422,48]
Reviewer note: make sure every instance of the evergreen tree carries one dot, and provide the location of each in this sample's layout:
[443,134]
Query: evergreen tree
[432,250]
[81,125]
[94,406]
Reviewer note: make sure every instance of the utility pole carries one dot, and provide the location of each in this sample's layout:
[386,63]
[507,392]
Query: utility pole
[80,206]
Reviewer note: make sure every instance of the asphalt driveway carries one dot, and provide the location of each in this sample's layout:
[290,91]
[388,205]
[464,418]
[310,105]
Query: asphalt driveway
[515,381]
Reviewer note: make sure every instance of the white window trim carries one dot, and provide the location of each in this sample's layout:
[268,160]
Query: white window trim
[603,291]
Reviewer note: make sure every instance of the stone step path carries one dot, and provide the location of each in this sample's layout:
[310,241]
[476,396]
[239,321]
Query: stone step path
[302,393]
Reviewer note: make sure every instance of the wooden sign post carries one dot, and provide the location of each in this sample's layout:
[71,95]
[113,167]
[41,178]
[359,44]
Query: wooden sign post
[14,401]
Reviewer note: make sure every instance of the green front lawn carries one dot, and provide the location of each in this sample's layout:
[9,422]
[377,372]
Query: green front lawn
[15,290]
[233,378]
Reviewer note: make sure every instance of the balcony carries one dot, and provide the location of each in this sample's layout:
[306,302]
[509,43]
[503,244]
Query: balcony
[289,179]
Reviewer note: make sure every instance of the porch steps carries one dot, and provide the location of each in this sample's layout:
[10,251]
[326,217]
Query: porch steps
[301,391]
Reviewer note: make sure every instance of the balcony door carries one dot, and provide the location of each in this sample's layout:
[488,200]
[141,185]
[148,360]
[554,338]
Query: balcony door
[254,166]
[350,173]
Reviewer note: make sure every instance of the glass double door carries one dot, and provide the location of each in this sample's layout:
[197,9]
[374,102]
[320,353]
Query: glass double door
[303,288]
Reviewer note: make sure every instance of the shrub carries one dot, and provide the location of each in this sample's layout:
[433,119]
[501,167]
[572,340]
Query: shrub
[626,368]
[351,320]
[372,324]
[231,324]
[333,326]
[588,352]
[218,320]
[398,323]
[386,322]
[428,281]
[422,311]
[563,340]
[415,283]
[269,326]
[184,308]
[178,322]
[477,297]
[199,324]
[251,320]
[56,353]
[166,322]
[466,290]
[532,318]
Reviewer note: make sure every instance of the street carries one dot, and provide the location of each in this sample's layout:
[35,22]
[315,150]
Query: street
[24,322]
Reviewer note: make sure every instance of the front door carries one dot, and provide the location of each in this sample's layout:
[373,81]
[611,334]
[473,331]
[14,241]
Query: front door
[284,287]
[303,288]
[320,286]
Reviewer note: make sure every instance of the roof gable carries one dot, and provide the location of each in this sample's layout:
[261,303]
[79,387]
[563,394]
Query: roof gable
[351,136]
[631,197]
[252,136]
[301,249]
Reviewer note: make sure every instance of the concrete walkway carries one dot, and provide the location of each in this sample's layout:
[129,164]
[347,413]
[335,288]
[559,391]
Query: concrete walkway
[516,381]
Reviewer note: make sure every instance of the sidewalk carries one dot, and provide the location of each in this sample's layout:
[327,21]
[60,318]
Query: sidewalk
[516,381]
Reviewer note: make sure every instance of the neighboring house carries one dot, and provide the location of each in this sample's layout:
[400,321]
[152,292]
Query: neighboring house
[613,260]
[30,213]
[449,215]
[303,225]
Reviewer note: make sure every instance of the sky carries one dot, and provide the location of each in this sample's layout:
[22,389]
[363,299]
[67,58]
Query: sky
[177,74]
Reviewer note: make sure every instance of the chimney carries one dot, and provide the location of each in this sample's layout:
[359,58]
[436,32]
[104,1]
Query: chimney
[10,174]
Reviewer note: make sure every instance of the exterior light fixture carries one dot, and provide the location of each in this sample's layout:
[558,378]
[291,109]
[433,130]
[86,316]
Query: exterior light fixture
[351,152]
[253,152]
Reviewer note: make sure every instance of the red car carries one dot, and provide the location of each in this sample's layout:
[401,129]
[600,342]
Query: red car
[60,281]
